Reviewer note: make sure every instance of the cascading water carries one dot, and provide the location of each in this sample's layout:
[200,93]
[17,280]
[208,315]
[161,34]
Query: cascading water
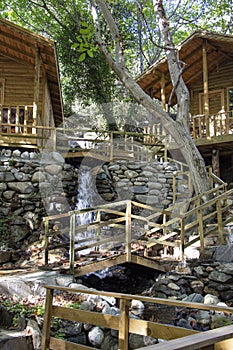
[85,200]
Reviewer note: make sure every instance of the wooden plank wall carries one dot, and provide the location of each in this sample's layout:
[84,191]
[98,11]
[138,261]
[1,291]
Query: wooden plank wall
[19,83]
[220,78]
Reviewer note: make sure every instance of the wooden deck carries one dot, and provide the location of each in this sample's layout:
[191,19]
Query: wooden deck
[154,141]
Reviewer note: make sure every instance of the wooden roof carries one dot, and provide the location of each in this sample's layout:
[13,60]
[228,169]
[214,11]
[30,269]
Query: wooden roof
[20,44]
[219,49]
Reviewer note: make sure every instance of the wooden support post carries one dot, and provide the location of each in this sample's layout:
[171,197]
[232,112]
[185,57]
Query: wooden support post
[128,231]
[211,177]
[98,218]
[47,319]
[111,147]
[46,240]
[54,139]
[36,89]
[182,239]
[174,188]
[216,162]
[72,239]
[123,325]
[219,221]
[206,88]
[165,249]
[201,233]
[163,93]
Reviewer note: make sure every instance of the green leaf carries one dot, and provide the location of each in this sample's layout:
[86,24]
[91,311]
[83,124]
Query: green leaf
[84,31]
[82,57]
[90,53]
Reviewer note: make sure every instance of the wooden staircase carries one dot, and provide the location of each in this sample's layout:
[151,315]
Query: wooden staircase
[148,239]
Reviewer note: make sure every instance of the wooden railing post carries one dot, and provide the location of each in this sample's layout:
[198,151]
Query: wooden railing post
[174,187]
[128,231]
[111,147]
[219,221]
[98,230]
[47,319]
[54,139]
[72,239]
[182,228]
[201,233]
[46,240]
[123,325]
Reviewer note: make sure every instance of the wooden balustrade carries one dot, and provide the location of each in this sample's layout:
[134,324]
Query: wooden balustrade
[128,229]
[125,324]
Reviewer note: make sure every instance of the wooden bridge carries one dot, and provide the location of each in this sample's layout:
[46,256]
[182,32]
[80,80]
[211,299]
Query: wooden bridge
[176,338]
[128,231]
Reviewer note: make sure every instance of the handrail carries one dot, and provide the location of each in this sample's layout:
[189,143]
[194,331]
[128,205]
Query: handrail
[123,323]
[126,228]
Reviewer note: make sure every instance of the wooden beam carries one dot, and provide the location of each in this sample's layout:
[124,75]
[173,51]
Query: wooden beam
[123,325]
[205,86]
[47,319]
[59,344]
[99,265]
[215,162]
[201,340]
[163,92]
[36,87]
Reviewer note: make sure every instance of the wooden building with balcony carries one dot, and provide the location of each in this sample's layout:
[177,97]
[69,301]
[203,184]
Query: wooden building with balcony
[30,94]
[208,74]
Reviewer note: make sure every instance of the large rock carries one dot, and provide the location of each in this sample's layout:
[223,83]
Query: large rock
[21,187]
[53,169]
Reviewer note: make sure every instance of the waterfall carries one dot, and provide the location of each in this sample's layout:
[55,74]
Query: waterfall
[85,200]
[85,196]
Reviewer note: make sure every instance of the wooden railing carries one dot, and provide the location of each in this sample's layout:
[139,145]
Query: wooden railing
[109,145]
[219,124]
[201,127]
[139,233]
[125,324]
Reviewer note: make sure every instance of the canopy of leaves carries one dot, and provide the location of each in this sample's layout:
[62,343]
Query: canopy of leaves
[84,72]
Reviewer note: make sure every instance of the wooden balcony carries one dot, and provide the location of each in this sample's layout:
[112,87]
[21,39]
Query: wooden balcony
[18,128]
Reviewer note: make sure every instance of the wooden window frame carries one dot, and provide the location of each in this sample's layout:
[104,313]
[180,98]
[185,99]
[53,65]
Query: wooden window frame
[2,94]
[201,95]
[228,99]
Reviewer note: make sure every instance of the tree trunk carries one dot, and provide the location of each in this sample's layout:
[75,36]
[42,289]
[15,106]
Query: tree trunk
[178,129]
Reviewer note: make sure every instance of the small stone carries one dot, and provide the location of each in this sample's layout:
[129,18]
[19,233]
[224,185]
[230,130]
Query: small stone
[131,174]
[137,304]
[173,286]
[211,299]
[219,276]
[96,336]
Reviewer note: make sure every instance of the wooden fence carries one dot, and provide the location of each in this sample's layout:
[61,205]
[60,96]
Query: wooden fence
[138,227]
[178,338]
[201,127]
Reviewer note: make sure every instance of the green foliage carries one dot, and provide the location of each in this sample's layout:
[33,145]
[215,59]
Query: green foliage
[85,74]
[17,310]
[75,305]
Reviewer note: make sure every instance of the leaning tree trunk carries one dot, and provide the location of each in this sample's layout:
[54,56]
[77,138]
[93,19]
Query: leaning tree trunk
[178,129]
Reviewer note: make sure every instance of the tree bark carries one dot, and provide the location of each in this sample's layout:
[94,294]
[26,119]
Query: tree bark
[179,129]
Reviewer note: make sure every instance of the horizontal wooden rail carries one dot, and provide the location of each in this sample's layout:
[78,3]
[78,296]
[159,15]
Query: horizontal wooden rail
[124,323]
[127,229]
[216,339]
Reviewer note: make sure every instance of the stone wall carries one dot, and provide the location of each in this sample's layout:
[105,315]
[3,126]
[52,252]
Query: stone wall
[148,183]
[32,186]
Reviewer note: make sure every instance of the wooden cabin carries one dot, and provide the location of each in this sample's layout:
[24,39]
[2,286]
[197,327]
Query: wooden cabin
[209,78]
[30,94]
